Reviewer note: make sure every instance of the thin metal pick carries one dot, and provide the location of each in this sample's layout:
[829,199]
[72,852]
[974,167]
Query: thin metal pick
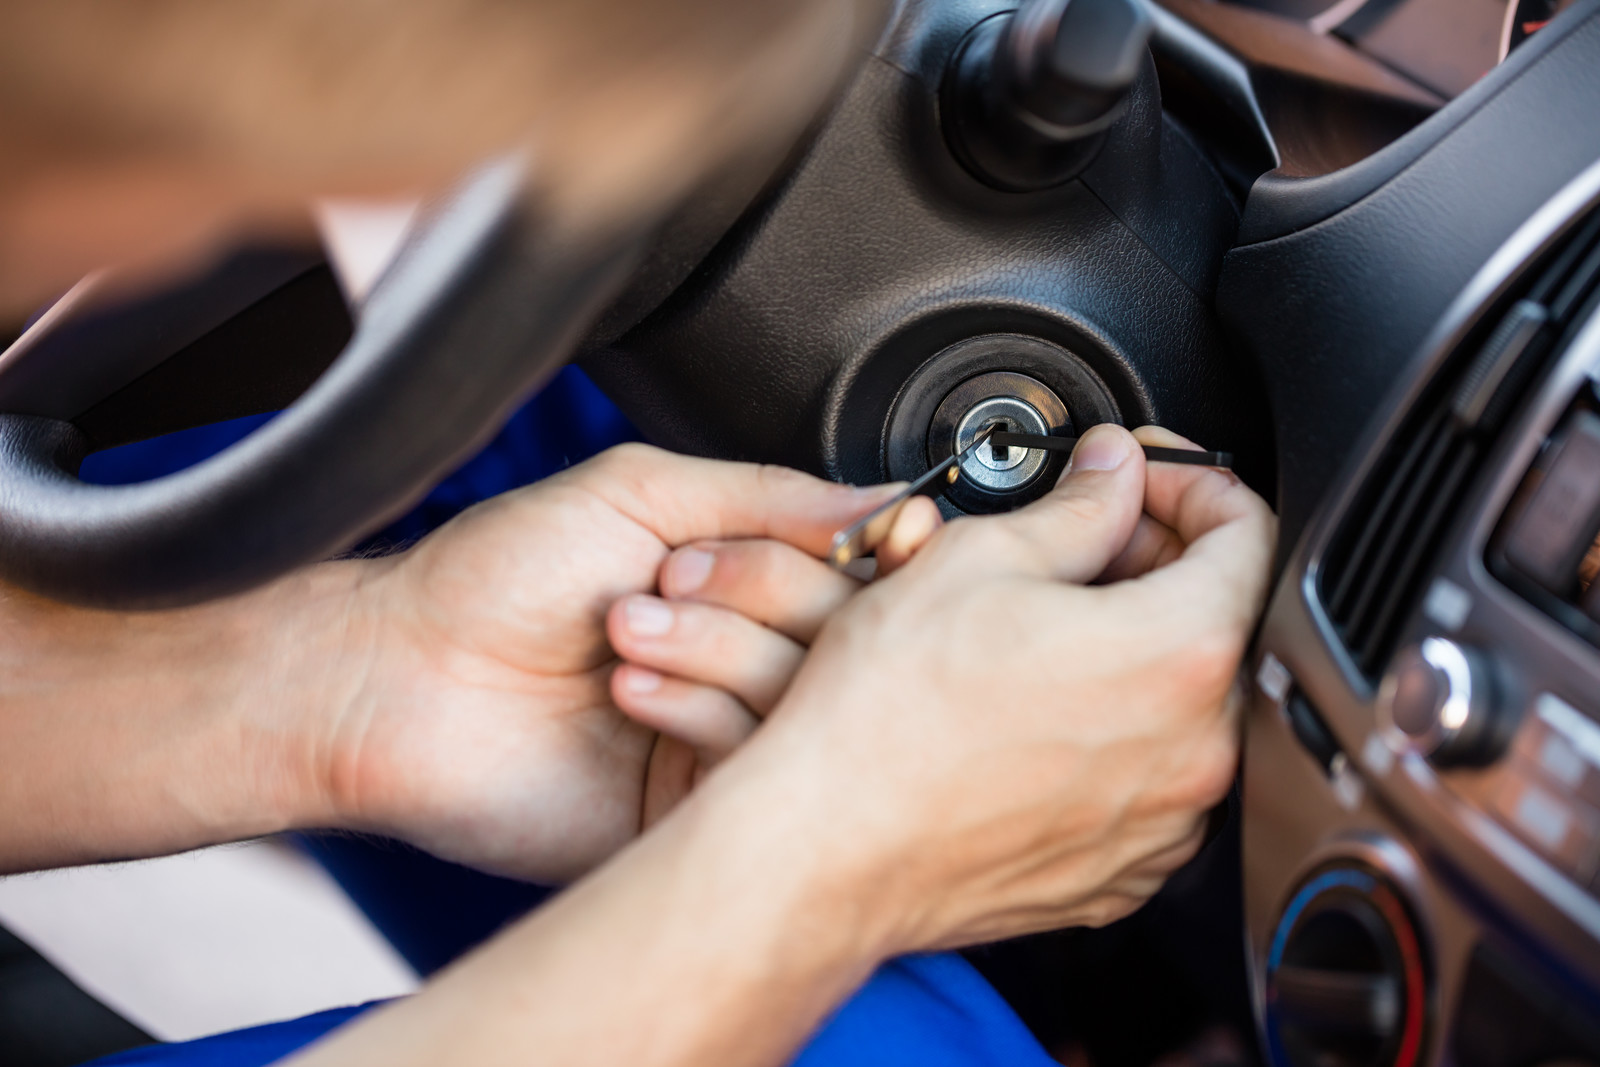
[867,533]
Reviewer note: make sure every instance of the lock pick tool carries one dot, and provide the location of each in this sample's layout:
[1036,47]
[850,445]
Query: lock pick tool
[865,534]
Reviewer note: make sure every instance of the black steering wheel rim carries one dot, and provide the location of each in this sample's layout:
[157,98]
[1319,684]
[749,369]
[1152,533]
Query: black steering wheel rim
[480,307]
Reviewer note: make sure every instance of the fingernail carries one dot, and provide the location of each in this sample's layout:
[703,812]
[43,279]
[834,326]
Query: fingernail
[648,617]
[689,569]
[1099,450]
[640,680]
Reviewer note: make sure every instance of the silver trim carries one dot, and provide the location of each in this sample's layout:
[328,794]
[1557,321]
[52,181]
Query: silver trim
[1447,657]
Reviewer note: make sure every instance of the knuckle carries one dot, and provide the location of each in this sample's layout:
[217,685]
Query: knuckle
[1082,509]
[870,615]
[773,478]
[1205,663]
[627,457]
[756,572]
[1206,775]
[1110,907]
[627,469]
[1215,770]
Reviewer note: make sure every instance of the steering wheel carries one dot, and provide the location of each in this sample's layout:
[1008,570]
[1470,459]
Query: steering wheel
[478,309]
[489,296]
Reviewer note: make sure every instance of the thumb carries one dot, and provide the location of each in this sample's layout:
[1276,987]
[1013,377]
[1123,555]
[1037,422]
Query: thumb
[1088,519]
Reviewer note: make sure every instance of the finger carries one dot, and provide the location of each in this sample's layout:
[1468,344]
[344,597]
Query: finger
[1228,530]
[1159,865]
[668,778]
[919,519]
[707,645]
[775,584]
[1188,499]
[710,721]
[1075,532]
[1220,580]
[684,498]
[1153,544]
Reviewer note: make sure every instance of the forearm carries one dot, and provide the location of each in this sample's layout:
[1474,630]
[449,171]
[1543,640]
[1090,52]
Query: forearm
[718,938]
[134,734]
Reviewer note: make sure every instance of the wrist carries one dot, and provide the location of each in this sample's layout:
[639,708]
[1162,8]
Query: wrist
[719,898]
[129,734]
[301,648]
[781,817]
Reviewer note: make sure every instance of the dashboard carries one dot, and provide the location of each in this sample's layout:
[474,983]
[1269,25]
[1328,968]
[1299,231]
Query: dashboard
[1335,82]
[1427,688]
[1421,829]
[1441,45]
[1356,243]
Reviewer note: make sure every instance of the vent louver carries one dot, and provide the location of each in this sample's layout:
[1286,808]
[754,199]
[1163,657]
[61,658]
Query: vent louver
[1389,538]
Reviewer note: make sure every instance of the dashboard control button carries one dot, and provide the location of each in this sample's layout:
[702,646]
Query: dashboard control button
[1565,830]
[1311,730]
[1559,744]
[1550,537]
[1436,700]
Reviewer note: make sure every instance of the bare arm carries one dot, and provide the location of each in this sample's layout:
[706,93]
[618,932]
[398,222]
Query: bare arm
[715,939]
[920,785]
[125,735]
[456,695]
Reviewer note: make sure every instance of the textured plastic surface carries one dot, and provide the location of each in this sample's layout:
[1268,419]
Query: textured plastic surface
[792,341]
[1335,311]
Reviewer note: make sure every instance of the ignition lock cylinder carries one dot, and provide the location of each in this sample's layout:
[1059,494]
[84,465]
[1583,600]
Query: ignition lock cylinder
[1000,469]
[1008,402]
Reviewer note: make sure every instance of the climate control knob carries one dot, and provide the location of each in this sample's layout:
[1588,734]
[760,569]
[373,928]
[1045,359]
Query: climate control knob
[1346,979]
[1437,700]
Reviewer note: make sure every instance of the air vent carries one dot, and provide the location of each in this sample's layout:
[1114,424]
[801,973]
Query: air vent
[1389,539]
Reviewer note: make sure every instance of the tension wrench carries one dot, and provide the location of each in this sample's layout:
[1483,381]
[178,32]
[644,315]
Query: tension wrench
[1194,457]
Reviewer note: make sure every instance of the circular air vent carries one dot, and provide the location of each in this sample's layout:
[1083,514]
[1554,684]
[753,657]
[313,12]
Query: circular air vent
[1346,982]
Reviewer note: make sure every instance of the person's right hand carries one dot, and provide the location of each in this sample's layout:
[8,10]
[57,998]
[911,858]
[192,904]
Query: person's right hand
[985,744]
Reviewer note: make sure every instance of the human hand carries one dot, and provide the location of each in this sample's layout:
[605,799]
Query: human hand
[737,617]
[899,797]
[722,642]
[733,621]
[483,727]
[984,744]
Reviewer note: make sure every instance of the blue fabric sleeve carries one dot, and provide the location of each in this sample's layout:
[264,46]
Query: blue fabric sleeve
[925,1011]
[920,1011]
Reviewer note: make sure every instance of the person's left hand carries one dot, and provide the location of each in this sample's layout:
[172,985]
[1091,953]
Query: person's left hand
[482,727]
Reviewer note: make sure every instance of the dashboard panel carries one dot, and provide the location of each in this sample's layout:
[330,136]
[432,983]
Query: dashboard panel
[1428,692]
[1445,45]
[1335,81]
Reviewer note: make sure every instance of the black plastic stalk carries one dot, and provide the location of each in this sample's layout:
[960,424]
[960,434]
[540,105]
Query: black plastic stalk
[1029,93]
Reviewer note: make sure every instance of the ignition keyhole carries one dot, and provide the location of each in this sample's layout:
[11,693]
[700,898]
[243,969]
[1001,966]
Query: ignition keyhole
[1001,453]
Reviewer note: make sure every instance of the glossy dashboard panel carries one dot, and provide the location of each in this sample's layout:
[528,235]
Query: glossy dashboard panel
[1493,859]
[1443,45]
